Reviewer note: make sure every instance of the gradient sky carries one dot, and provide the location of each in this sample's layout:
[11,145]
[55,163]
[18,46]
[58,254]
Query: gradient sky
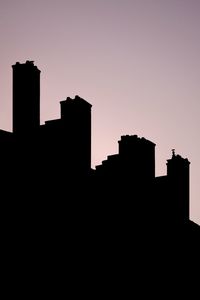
[136,61]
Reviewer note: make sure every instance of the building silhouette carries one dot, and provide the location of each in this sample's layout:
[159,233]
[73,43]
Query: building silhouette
[26,97]
[54,200]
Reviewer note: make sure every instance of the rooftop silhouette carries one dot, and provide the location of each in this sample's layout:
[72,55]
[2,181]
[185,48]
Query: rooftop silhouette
[53,194]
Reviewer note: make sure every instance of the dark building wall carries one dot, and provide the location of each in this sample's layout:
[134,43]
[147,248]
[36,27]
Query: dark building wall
[129,176]
[138,157]
[7,166]
[178,177]
[26,97]
[135,161]
[76,123]
[63,146]
[163,207]
[6,153]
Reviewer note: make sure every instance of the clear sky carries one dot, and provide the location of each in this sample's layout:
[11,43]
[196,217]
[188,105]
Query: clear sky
[136,61]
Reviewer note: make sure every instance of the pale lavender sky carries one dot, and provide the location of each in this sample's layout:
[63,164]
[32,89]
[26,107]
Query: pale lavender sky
[136,61]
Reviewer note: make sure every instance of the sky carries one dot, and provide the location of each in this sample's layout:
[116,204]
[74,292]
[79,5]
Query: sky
[136,61]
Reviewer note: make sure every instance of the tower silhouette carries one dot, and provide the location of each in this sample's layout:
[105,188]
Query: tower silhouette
[138,155]
[76,119]
[26,97]
[66,141]
[178,176]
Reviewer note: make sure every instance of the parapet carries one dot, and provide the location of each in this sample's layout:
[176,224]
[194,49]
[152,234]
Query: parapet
[76,105]
[75,101]
[176,158]
[27,64]
[134,138]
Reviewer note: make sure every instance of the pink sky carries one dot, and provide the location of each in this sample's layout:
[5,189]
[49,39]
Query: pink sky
[136,61]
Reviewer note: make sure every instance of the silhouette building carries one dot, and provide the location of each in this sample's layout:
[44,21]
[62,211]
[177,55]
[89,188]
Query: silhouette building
[58,153]
[117,222]
[66,141]
[26,97]
[132,170]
